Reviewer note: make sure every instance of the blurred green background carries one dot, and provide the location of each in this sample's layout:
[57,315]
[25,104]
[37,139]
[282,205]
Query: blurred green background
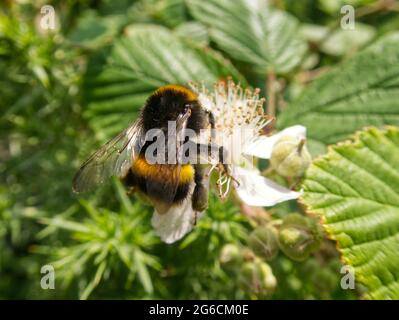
[63,92]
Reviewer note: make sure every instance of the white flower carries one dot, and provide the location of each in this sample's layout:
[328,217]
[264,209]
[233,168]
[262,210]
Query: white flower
[240,118]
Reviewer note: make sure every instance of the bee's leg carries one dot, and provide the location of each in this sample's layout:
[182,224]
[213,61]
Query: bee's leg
[212,122]
[222,152]
[211,150]
[222,156]
[200,194]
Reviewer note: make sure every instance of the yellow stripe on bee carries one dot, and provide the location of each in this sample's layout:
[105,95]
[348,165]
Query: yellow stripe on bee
[190,95]
[164,172]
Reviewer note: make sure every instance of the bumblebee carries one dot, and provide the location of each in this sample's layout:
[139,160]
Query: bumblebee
[177,187]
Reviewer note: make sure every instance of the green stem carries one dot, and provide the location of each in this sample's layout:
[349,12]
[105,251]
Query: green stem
[271,93]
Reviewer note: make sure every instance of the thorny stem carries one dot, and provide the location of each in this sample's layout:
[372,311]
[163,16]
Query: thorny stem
[381,5]
[256,214]
[271,93]
[300,145]
[267,171]
[307,76]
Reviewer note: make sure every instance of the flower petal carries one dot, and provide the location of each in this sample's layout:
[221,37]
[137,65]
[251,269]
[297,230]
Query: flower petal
[256,190]
[262,146]
[175,223]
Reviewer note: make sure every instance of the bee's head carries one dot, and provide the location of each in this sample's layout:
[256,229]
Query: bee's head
[170,103]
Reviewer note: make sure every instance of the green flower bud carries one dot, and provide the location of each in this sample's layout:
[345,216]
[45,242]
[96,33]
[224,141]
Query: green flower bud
[299,236]
[256,277]
[290,157]
[231,256]
[264,242]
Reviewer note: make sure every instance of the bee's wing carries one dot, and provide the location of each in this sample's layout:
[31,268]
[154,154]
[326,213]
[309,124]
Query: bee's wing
[113,159]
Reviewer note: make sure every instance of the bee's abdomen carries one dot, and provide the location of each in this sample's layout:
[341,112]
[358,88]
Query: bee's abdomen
[163,182]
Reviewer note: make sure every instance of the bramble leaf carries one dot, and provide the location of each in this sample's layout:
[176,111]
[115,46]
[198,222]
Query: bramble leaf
[355,189]
[252,32]
[361,92]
